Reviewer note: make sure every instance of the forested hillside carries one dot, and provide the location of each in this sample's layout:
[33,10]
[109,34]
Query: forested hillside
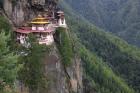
[121,17]
[9,66]
[82,59]
[123,58]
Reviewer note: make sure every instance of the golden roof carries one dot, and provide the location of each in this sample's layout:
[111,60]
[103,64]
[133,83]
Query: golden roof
[40,20]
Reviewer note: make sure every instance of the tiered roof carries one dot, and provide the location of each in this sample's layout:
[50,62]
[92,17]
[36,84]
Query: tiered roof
[36,21]
[40,20]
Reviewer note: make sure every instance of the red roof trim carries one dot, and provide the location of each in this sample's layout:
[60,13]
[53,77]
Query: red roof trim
[28,30]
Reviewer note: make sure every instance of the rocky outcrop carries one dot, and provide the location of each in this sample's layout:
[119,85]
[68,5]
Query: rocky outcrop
[21,11]
[61,79]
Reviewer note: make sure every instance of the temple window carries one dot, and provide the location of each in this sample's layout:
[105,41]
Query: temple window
[41,28]
[33,27]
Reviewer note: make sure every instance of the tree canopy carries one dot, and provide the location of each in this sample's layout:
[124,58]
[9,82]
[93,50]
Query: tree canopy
[8,63]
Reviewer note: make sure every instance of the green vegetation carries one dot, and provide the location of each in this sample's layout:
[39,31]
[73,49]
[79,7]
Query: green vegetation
[120,17]
[117,16]
[32,74]
[8,64]
[64,46]
[100,75]
[4,25]
[109,62]
[121,57]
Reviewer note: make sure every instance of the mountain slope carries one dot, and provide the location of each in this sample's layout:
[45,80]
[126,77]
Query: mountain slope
[123,58]
[122,17]
[98,76]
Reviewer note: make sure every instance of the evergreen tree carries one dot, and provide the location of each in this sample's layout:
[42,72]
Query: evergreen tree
[32,73]
[64,46]
[8,63]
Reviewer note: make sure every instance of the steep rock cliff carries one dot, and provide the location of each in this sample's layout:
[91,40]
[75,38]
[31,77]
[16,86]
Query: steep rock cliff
[20,11]
[61,79]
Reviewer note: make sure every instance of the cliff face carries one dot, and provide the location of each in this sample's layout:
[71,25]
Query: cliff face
[20,11]
[60,79]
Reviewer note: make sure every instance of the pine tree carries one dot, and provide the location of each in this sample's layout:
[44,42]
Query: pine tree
[32,73]
[8,63]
